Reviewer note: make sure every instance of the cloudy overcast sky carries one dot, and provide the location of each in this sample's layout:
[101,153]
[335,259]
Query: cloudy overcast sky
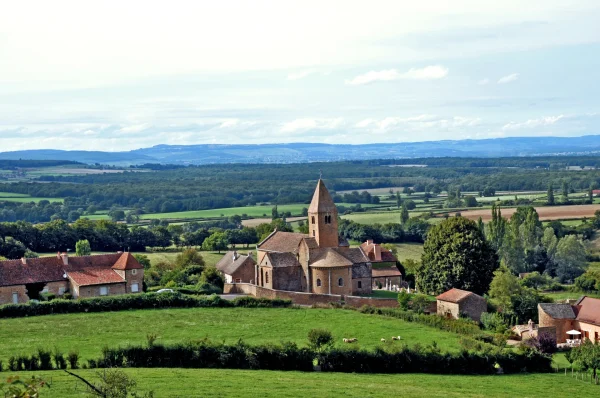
[119,75]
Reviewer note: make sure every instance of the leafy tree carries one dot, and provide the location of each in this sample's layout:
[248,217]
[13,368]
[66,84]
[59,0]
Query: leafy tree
[550,200]
[570,258]
[143,260]
[113,383]
[587,355]
[409,204]
[565,192]
[398,199]
[470,201]
[212,276]
[550,242]
[504,286]
[481,226]
[83,248]
[116,215]
[496,228]
[215,242]
[457,255]
[274,213]
[187,257]
[404,216]
[320,339]
[15,387]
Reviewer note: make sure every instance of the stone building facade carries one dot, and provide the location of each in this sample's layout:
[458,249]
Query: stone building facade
[456,303]
[85,276]
[237,268]
[583,316]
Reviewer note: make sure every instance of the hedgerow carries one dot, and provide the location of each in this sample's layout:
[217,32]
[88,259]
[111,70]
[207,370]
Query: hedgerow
[131,302]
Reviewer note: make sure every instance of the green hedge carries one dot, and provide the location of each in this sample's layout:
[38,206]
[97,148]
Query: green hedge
[133,301]
[288,356]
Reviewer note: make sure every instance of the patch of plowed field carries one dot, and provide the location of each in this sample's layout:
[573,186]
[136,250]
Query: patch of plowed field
[546,213]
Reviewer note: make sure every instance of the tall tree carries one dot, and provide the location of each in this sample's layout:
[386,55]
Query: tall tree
[496,229]
[456,254]
[404,216]
[565,191]
[550,200]
[82,248]
[570,258]
[398,199]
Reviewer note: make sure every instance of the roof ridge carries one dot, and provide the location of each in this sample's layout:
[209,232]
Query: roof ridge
[267,238]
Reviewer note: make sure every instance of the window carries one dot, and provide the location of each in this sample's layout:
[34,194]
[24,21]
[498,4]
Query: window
[328,219]
[313,219]
[133,271]
[238,280]
[135,288]
[103,290]
[313,232]
[319,282]
[61,290]
[360,284]
[341,282]
[267,277]
[15,298]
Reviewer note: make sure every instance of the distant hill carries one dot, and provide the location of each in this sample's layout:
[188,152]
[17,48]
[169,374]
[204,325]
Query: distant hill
[310,152]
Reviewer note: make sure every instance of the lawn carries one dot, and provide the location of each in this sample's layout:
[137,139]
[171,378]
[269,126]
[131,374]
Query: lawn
[407,251]
[88,333]
[23,198]
[568,295]
[249,383]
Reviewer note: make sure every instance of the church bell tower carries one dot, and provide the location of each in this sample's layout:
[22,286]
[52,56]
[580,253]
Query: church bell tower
[322,218]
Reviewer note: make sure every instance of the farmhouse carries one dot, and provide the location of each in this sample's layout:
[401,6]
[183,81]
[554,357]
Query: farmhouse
[385,272]
[317,262]
[85,276]
[237,268]
[582,317]
[456,302]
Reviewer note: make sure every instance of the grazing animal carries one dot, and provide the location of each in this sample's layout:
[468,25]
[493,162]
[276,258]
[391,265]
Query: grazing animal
[352,340]
[383,340]
[396,338]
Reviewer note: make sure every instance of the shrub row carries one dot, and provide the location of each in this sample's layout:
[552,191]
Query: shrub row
[460,326]
[42,360]
[288,356]
[205,354]
[133,301]
[410,360]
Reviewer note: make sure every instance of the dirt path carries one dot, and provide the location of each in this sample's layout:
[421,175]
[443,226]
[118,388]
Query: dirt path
[546,213]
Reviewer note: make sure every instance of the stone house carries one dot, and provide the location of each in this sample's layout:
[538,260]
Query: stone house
[385,271]
[456,302]
[85,276]
[237,268]
[317,262]
[583,316]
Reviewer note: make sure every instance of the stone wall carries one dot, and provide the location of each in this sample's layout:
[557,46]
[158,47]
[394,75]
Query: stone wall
[57,288]
[134,276]
[333,275]
[562,325]
[589,331]
[245,273]
[357,302]
[473,306]
[6,294]
[94,291]
[448,309]
[287,278]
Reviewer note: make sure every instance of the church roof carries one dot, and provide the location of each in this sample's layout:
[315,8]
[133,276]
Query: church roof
[328,258]
[283,260]
[321,201]
[281,242]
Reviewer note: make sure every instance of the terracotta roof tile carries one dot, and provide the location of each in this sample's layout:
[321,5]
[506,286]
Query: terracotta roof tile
[282,242]
[354,254]
[321,201]
[388,271]
[589,310]
[369,249]
[127,261]
[328,257]
[95,276]
[455,295]
[45,269]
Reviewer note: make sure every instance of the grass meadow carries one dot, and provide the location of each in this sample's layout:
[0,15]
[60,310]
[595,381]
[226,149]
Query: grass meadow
[89,332]
[23,198]
[252,383]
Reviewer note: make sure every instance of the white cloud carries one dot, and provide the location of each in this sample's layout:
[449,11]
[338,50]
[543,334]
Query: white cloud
[363,123]
[300,75]
[311,124]
[483,82]
[533,123]
[229,123]
[508,78]
[419,123]
[427,73]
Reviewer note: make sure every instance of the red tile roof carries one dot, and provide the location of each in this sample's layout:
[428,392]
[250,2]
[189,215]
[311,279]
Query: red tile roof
[127,261]
[588,310]
[369,248]
[95,276]
[282,242]
[50,269]
[382,272]
[455,295]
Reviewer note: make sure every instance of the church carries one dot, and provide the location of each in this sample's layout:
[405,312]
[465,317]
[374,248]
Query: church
[320,262]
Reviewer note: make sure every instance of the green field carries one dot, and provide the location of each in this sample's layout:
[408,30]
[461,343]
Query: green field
[249,383]
[88,333]
[22,198]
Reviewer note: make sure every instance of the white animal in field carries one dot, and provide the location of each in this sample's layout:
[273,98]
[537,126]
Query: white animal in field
[396,338]
[383,340]
[352,340]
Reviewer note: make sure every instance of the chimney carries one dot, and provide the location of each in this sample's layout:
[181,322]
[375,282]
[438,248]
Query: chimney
[24,260]
[369,241]
[249,254]
[235,255]
[58,255]
[65,258]
[377,252]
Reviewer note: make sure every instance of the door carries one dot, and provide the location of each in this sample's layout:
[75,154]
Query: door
[15,298]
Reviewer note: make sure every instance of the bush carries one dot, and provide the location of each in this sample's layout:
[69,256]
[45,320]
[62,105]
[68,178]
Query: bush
[133,301]
[73,358]
[494,322]
[320,339]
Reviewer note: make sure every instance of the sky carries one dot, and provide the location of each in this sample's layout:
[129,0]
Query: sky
[121,75]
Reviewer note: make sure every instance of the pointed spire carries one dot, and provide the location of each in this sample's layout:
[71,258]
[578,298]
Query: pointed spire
[321,201]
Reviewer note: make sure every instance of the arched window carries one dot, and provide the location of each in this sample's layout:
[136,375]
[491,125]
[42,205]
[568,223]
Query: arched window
[341,282]
[267,277]
[327,219]
[360,284]
[313,219]
[318,282]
